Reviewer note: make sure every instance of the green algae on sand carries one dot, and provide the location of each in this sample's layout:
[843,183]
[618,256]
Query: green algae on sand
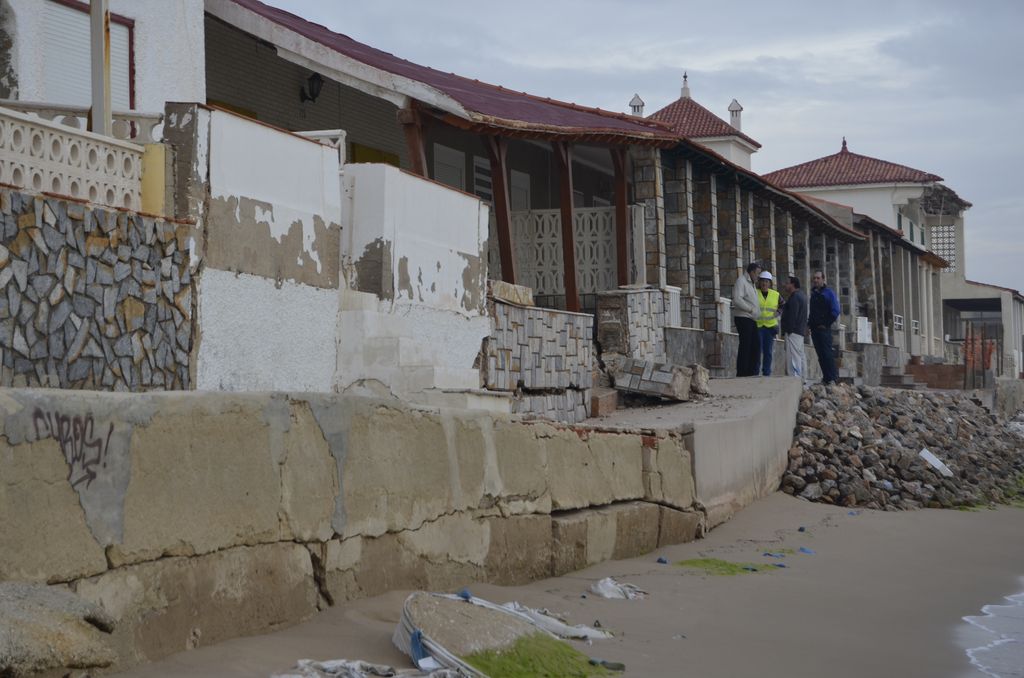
[724,568]
[537,655]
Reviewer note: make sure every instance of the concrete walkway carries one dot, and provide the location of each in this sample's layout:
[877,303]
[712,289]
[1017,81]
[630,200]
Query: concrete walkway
[738,438]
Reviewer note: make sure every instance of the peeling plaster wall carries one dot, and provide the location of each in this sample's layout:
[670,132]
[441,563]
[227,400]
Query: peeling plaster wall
[258,336]
[275,203]
[204,516]
[169,50]
[436,237]
[414,258]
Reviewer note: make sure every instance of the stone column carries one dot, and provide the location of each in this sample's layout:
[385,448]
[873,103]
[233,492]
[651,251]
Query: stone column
[705,229]
[889,288]
[782,225]
[848,281]
[681,263]
[834,255]
[730,234]
[748,225]
[873,291]
[764,235]
[648,190]
[806,230]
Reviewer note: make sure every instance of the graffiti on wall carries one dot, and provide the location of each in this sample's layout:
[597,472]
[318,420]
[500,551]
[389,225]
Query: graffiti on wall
[83,443]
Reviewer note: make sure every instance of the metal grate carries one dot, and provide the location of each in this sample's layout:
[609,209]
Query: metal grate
[944,244]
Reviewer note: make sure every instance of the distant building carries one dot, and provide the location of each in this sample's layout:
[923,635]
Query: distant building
[689,119]
[937,305]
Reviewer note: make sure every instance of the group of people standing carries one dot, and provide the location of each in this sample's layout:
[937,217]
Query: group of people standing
[760,313]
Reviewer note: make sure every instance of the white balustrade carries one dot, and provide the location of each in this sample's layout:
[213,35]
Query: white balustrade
[330,137]
[39,155]
[134,126]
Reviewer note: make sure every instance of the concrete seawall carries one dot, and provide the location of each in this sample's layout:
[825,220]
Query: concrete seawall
[197,517]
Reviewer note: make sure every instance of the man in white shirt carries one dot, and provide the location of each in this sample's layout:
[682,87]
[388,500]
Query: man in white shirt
[745,309]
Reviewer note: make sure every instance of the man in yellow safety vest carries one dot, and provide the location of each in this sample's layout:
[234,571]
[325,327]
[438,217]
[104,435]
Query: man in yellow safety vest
[767,320]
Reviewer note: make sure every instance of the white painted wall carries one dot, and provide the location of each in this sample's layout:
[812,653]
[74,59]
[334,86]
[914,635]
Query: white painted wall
[256,336]
[296,176]
[730,149]
[878,202]
[429,339]
[169,50]
[436,230]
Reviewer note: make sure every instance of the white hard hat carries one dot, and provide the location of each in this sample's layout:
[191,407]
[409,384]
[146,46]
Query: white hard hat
[765,275]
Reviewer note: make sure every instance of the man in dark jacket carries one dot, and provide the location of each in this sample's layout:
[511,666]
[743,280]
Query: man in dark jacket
[824,311]
[794,327]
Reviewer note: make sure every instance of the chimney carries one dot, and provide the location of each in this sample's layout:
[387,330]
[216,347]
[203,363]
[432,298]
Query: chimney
[636,105]
[734,114]
[686,87]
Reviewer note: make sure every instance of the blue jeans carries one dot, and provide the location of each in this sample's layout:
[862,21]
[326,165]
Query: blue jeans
[767,337]
[822,340]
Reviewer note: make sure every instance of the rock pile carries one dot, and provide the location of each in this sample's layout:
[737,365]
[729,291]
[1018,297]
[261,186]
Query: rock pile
[860,446]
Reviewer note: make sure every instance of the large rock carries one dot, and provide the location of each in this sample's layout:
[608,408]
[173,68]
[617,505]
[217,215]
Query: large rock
[646,377]
[45,537]
[175,604]
[585,537]
[214,487]
[700,380]
[668,471]
[44,628]
[593,468]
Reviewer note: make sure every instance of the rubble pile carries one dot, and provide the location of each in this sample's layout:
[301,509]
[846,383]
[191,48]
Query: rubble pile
[861,446]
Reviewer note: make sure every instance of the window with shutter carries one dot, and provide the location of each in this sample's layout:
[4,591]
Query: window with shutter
[67,75]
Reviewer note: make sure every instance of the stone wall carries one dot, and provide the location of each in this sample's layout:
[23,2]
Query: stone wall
[92,298]
[870,360]
[196,517]
[723,347]
[544,356]
[685,345]
[632,322]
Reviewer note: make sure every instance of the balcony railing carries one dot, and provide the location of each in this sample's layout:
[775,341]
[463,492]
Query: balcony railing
[40,155]
[537,245]
[134,126]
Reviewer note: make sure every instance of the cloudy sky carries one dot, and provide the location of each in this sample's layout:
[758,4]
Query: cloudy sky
[937,85]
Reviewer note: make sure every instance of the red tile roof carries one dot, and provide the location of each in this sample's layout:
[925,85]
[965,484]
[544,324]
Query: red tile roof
[846,168]
[688,118]
[484,103]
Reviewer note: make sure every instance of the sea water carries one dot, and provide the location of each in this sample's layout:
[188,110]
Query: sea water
[995,643]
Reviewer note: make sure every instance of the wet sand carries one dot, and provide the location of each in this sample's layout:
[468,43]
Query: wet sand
[883,595]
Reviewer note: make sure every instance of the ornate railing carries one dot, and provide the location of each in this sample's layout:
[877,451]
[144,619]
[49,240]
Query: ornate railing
[537,244]
[133,126]
[40,155]
[331,137]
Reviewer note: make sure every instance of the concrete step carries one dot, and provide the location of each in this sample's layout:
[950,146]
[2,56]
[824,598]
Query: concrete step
[904,381]
[855,381]
[499,402]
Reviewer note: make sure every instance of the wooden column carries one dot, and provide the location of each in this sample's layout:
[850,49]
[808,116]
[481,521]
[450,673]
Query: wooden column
[412,125]
[621,216]
[497,149]
[563,156]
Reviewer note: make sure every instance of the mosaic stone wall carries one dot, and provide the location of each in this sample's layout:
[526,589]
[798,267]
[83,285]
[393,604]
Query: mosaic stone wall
[632,322]
[543,355]
[92,299]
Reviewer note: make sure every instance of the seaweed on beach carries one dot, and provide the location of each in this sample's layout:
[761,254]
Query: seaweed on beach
[538,655]
[725,568]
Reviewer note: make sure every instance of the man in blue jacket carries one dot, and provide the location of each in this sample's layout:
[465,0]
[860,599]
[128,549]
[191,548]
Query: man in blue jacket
[824,311]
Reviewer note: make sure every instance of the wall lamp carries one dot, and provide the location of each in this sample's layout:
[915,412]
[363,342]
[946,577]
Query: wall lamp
[315,85]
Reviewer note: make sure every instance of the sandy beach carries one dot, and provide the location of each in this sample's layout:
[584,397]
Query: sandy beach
[883,594]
